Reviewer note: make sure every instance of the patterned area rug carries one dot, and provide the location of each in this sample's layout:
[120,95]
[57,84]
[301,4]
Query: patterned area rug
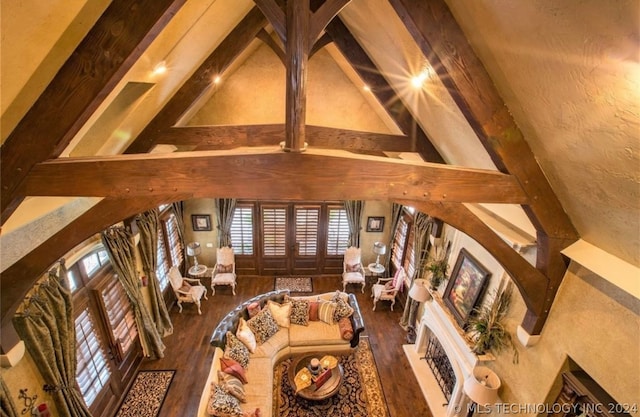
[360,394]
[294,284]
[146,395]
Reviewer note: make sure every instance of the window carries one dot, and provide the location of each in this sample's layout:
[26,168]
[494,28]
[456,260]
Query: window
[175,243]
[242,230]
[92,371]
[93,262]
[401,243]
[162,271]
[307,230]
[274,229]
[120,314]
[410,256]
[337,231]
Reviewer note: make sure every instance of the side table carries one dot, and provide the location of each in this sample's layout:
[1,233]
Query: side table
[197,271]
[376,269]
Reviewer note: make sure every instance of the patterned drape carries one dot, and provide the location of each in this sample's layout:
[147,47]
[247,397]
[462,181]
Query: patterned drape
[46,324]
[422,227]
[354,210]
[396,212]
[225,207]
[148,224]
[119,244]
[7,406]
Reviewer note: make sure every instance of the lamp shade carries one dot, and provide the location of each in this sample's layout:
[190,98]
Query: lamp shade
[193,249]
[379,248]
[419,292]
[482,386]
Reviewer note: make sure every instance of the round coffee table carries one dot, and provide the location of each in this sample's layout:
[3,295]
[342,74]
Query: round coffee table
[328,389]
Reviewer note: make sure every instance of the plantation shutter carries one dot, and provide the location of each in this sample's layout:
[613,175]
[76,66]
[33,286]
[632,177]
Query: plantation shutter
[92,371]
[162,271]
[121,318]
[307,220]
[337,232]
[242,231]
[274,230]
[175,243]
[399,239]
[409,259]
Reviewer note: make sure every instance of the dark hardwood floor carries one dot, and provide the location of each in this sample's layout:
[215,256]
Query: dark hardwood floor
[188,350]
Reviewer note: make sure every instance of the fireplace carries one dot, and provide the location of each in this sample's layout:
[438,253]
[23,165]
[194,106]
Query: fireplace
[441,359]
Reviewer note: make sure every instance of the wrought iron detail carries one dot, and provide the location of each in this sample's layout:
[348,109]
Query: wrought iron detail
[440,365]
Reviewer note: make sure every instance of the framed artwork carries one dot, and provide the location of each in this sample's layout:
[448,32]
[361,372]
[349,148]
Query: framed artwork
[375,224]
[201,222]
[465,286]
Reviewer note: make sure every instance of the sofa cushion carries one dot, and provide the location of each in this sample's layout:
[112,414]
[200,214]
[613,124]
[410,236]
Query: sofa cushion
[232,367]
[236,350]
[314,307]
[315,334]
[326,311]
[263,325]
[299,311]
[232,385]
[343,309]
[280,312]
[246,336]
[222,403]
[346,329]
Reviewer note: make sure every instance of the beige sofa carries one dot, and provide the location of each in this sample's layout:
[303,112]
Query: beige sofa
[318,336]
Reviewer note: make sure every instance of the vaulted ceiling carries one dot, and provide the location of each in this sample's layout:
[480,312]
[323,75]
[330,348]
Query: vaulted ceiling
[527,113]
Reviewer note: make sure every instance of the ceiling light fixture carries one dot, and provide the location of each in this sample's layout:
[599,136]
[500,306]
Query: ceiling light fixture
[217,79]
[160,68]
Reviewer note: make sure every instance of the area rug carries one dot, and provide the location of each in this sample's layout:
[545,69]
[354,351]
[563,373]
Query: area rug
[294,284]
[360,394]
[147,393]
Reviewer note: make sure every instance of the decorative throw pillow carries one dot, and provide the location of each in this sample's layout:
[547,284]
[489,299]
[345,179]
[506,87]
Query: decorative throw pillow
[253,309]
[232,367]
[186,287]
[343,309]
[326,310]
[389,286]
[224,269]
[232,385]
[254,413]
[280,312]
[236,350]
[222,403]
[346,329]
[354,268]
[314,307]
[299,311]
[263,326]
[246,336]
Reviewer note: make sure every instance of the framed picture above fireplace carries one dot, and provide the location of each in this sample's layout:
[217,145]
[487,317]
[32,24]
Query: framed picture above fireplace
[466,285]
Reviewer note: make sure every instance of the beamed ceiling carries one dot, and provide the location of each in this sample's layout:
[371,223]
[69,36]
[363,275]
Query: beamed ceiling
[265,100]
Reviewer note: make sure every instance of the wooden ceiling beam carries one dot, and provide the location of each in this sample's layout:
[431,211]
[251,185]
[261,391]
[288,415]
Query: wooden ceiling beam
[228,50]
[321,17]
[229,137]
[107,52]
[271,43]
[269,173]
[275,15]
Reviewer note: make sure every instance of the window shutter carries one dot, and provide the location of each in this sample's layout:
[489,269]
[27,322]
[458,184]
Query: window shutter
[162,271]
[175,244]
[120,314]
[338,231]
[274,230]
[307,220]
[242,231]
[92,371]
[399,239]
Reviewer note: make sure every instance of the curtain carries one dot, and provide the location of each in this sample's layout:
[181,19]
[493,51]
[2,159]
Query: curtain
[119,244]
[396,212]
[7,406]
[354,210]
[421,229]
[148,224]
[46,324]
[225,207]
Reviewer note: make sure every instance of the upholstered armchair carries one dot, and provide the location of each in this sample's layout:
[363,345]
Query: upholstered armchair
[188,290]
[352,269]
[386,289]
[224,272]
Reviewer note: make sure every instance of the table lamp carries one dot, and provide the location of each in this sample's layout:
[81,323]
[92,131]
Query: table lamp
[193,249]
[482,387]
[379,248]
[418,291]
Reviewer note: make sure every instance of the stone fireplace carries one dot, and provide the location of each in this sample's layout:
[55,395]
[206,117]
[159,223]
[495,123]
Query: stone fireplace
[441,359]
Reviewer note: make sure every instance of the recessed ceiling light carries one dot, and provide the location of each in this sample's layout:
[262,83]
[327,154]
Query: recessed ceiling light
[417,81]
[217,79]
[160,68]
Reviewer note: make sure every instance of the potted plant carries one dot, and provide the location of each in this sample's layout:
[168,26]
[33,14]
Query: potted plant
[438,266]
[486,327]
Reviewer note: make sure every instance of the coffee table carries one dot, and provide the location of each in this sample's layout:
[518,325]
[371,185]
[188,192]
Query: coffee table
[328,389]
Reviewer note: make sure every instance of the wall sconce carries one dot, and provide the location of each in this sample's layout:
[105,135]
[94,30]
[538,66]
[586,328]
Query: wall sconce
[379,248]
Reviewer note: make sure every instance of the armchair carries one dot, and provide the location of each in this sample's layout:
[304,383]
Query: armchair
[386,289]
[189,290]
[352,269]
[224,272]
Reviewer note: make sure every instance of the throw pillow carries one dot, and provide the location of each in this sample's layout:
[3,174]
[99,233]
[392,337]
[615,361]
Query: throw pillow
[314,307]
[253,309]
[254,413]
[343,309]
[232,367]
[236,350]
[354,268]
[186,287]
[222,403]
[326,309]
[280,312]
[224,269]
[263,326]
[346,329]
[246,336]
[299,311]
[232,385]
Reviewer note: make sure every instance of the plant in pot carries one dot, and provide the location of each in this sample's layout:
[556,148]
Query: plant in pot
[486,328]
[438,266]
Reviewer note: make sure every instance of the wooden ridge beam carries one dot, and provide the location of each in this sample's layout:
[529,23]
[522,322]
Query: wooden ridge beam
[103,57]
[228,50]
[270,174]
[230,137]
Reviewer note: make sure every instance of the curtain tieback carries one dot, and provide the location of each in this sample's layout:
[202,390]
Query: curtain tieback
[54,388]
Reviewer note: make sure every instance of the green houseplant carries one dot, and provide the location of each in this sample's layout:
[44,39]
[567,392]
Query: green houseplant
[486,327]
[438,266]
